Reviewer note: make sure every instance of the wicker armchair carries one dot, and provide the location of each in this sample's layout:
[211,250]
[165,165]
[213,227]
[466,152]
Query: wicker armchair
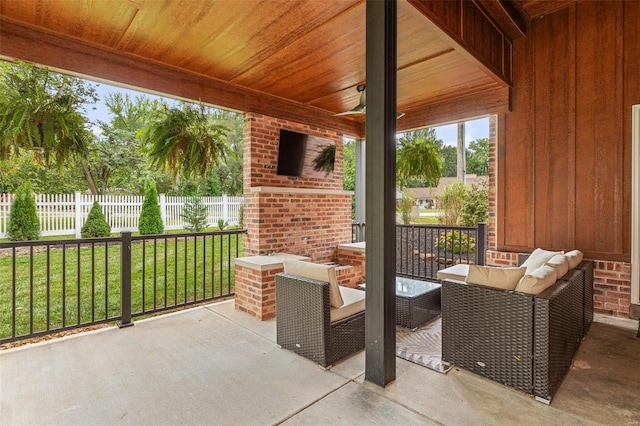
[303,318]
[521,340]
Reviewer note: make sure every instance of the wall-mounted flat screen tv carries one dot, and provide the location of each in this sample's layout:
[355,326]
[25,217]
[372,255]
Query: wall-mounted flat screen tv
[305,155]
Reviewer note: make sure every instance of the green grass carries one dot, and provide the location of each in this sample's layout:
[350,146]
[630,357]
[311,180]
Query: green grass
[92,281]
[429,220]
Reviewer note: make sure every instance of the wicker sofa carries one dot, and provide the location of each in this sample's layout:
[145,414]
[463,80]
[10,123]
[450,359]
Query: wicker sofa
[525,341]
[315,317]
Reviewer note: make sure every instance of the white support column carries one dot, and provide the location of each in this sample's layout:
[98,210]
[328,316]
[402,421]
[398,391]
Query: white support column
[225,208]
[162,201]
[360,180]
[635,210]
[78,213]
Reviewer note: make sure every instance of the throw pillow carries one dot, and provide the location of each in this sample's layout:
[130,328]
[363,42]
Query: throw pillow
[560,262]
[574,257]
[491,276]
[540,279]
[538,258]
[316,271]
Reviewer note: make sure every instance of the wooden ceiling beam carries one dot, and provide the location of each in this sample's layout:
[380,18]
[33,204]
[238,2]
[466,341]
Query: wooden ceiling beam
[506,16]
[65,53]
[467,28]
[480,104]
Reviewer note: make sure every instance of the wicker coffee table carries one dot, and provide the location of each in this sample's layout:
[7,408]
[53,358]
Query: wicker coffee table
[416,301]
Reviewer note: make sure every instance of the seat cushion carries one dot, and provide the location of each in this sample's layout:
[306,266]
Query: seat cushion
[456,272]
[353,303]
[538,258]
[560,262]
[491,276]
[540,279]
[319,272]
[574,257]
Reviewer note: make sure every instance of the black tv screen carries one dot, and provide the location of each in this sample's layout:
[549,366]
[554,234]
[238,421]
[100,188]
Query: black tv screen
[304,155]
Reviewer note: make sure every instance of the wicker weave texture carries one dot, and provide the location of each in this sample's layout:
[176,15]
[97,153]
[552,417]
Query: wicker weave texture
[413,311]
[303,321]
[587,269]
[524,341]
[489,332]
[558,332]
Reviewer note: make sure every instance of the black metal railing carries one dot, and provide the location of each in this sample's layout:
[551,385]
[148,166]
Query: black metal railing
[423,250]
[52,286]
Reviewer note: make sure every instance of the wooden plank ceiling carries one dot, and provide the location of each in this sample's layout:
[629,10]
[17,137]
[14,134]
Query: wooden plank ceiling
[305,55]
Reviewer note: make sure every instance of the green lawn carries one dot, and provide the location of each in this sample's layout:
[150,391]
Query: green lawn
[426,220]
[195,270]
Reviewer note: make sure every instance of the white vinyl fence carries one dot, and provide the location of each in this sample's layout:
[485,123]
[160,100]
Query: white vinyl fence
[64,214]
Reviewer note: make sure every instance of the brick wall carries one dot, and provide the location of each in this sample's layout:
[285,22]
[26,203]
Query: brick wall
[612,288]
[493,183]
[357,270]
[305,216]
[255,291]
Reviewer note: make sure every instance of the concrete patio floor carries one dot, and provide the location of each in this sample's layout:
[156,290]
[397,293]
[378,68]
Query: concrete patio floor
[215,365]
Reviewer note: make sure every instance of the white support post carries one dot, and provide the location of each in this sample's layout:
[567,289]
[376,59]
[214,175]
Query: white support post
[225,209]
[635,211]
[78,212]
[163,208]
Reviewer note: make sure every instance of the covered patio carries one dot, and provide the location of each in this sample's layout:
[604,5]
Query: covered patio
[562,158]
[215,365]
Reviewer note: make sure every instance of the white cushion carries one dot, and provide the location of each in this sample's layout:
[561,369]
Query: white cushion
[538,258]
[316,271]
[491,276]
[353,303]
[456,272]
[538,280]
[560,262]
[574,257]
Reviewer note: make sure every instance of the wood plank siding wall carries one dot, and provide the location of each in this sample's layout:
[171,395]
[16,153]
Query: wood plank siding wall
[564,152]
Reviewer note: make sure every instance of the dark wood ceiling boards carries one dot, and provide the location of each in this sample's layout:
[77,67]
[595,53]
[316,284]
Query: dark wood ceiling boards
[305,57]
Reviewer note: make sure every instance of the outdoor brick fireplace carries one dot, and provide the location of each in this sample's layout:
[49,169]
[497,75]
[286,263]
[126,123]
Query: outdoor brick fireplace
[301,216]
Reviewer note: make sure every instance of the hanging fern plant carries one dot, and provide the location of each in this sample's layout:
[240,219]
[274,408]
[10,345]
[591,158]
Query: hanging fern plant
[325,161]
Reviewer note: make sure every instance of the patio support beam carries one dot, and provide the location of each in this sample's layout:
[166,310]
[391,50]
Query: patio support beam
[380,329]
[360,180]
[74,56]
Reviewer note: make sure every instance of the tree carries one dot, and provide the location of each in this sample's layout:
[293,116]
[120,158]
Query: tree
[23,216]
[478,157]
[195,214]
[407,203]
[449,157]
[96,225]
[451,200]
[150,222]
[349,170]
[475,207]
[45,180]
[230,172]
[117,158]
[418,157]
[186,140]
[41,111]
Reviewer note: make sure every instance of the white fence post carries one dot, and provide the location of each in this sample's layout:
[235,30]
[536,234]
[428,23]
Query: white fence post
[78,213]
[225,209]
[163,209]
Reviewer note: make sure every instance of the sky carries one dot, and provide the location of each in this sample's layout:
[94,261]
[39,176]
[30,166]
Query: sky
[474,129]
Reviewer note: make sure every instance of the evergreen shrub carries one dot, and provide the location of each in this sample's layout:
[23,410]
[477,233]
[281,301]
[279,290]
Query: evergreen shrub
[195,214]
[23,216]
[96,225]
[150,222]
